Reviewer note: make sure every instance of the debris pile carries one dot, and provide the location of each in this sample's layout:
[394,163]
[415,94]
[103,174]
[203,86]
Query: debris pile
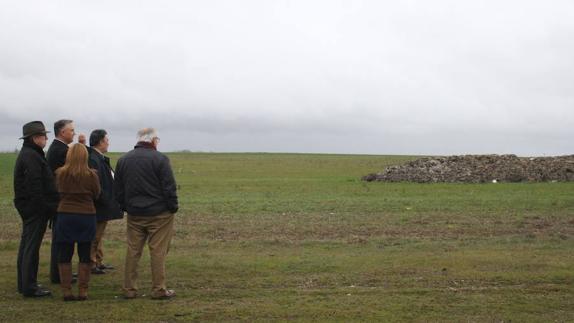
[479,169]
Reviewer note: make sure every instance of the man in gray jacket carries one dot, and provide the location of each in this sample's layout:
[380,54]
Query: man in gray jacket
[145,188]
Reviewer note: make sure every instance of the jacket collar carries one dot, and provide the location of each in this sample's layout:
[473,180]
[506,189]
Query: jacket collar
[94,152]
[35,148]
[59,142]
[144,144]
[97,151]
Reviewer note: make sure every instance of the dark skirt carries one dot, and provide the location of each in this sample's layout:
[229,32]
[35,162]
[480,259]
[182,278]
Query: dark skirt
[72,227]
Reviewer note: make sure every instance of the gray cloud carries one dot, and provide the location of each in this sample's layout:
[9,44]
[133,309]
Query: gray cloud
[413,77]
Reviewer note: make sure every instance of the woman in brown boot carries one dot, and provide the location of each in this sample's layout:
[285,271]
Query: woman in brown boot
[79,187]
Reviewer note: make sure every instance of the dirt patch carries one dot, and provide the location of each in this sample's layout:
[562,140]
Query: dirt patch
[479,169]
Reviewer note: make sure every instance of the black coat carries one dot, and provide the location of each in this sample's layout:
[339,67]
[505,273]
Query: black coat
[56,154]
[35,192]
[144,183]
[107,208]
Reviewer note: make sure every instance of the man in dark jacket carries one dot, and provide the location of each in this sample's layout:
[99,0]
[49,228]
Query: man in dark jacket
[146,189]
[36,199]
[56,155]
[107,208]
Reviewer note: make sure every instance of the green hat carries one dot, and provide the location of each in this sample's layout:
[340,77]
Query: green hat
[33,128]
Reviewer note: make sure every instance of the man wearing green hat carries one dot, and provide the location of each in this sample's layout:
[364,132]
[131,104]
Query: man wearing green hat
[36,199]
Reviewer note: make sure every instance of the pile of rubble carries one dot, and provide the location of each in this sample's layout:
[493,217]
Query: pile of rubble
[479,169]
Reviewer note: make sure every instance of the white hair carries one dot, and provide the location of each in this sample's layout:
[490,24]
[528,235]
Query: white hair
[147,134]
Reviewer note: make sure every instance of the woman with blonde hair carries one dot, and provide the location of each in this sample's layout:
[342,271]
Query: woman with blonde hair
[79,187]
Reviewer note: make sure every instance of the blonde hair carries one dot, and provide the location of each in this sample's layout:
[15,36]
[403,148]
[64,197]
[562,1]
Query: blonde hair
[76,166]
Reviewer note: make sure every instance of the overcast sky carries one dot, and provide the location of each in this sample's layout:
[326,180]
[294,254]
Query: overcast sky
[377,77]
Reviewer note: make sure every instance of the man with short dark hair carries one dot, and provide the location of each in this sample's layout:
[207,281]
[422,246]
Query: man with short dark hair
[107,208]
[146,189]
[56,156]
[36,199]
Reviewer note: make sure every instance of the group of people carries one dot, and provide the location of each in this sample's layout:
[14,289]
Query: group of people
[74,189]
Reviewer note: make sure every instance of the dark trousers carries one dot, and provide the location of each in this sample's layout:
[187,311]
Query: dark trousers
[33,229]
[66,252]
[54,271]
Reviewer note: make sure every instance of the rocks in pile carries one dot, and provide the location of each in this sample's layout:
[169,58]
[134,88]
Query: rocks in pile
[479,169]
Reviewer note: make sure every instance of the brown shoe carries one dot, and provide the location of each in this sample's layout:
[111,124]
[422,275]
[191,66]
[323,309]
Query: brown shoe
[65,270]
[168,294]
[130,296]
[84,271]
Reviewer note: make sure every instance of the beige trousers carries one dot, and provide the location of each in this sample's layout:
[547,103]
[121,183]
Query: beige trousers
[157,231]
[97,253]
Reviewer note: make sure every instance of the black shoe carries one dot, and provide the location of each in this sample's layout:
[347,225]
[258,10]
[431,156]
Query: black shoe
[37,286]
[40,292]
[98,271]
[106,266]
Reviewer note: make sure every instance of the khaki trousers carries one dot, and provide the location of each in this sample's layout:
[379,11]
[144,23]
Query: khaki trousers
[97,253]
[157,231]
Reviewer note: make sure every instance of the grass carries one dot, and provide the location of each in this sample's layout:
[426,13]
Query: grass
[265,237]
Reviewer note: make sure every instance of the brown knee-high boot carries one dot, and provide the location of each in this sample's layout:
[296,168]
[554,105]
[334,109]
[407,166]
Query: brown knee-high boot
[84,271]
[65,270]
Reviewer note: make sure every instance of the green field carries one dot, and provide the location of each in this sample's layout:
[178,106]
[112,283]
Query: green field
[264,237]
